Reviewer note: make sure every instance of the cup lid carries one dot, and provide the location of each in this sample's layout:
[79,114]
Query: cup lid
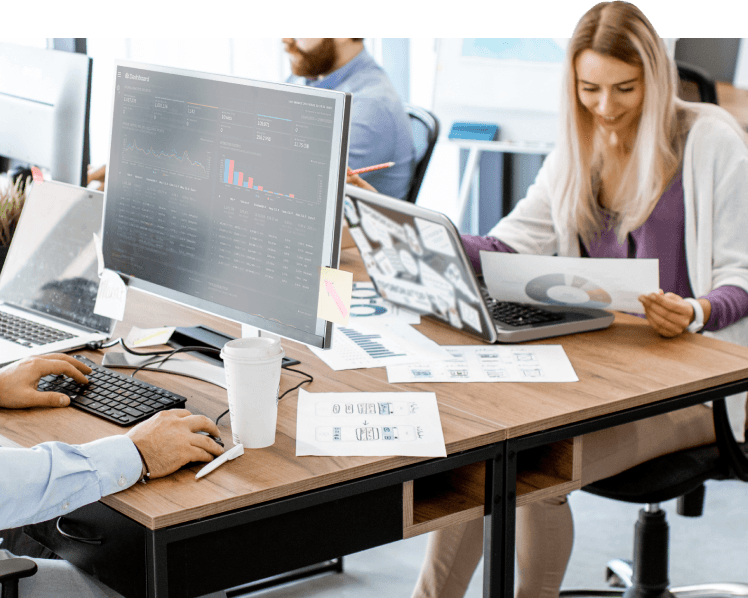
[252,348]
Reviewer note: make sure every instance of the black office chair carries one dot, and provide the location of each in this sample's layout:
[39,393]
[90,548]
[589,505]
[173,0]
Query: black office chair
[11,571]
[695,85]
[425,132]
[679,475]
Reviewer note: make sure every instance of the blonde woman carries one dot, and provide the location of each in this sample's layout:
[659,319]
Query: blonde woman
[637,173]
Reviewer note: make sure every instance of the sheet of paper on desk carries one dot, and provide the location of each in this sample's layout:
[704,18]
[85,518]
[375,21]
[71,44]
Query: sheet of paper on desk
[493,363]
[369,424]
[111,298]
[606,283]
[377,344]
[367,304]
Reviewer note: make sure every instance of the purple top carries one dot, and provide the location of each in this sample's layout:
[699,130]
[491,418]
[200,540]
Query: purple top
[662,237]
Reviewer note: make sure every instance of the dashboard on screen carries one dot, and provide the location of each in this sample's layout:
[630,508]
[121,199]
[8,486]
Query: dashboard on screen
[225,194]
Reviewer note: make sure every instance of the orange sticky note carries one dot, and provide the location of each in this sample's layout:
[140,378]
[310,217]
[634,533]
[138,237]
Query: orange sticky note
[335,287]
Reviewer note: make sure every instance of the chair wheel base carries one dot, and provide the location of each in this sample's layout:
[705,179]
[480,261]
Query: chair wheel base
[618,573]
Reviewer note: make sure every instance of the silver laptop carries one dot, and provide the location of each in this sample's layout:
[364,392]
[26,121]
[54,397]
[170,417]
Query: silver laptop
[415,258]
[49,280]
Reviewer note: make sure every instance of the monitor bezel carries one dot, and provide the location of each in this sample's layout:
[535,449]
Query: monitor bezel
[322,337]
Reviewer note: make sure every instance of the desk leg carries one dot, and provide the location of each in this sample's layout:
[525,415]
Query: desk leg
[464,202]
[158,571]
[498,529]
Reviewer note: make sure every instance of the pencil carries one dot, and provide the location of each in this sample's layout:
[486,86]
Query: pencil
[371,168]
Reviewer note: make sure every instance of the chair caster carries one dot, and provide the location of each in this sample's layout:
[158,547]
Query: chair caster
[618,573]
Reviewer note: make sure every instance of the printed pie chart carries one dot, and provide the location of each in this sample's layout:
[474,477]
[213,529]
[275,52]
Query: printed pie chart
[567,289]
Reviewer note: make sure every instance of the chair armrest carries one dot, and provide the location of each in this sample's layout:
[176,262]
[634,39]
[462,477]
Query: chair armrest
[732,453]
[14,569]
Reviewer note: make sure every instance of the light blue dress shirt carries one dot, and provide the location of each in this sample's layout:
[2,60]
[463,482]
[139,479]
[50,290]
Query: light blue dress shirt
[54,478]
[380,128]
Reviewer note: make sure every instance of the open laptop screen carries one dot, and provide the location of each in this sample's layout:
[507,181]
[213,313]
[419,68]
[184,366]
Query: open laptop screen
[51,266]
[415,259]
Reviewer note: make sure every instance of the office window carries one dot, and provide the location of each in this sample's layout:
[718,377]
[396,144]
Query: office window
[34,42]
[422,71]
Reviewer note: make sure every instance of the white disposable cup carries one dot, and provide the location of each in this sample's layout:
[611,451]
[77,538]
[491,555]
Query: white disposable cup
[253,368]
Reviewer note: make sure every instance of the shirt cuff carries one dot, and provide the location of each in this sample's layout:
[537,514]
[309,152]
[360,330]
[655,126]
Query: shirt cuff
[474,244]
[117,462]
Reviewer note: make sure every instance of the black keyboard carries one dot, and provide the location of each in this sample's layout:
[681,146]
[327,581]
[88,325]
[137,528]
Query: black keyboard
[518,314]
[118,398]
[27,333]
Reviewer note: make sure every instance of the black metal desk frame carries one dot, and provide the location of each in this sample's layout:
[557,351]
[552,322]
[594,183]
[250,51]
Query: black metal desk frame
[253,543]
[503,585]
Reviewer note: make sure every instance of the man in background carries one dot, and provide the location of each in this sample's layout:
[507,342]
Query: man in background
[380,128]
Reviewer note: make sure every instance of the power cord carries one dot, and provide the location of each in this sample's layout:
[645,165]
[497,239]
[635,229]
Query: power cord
[97,345]
[309,379]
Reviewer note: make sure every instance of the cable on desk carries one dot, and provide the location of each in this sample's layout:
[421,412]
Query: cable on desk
[171,353]
[96,345]
[309,379]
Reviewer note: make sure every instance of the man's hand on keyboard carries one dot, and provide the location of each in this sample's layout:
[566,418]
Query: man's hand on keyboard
[18,380]
[169,440]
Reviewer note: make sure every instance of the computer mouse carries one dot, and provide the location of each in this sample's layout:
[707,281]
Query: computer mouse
[213,438]
[202,463]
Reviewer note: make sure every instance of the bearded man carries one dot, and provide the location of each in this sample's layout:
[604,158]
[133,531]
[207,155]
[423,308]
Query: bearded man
[380,129]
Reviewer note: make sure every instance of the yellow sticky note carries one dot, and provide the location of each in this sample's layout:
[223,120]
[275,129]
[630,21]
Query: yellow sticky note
[334,303]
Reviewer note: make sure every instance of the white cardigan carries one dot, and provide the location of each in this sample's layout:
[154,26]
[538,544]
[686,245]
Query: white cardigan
[715,190]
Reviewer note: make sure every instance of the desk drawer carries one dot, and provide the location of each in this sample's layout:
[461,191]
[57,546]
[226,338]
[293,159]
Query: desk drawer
[110,547]
[458,495]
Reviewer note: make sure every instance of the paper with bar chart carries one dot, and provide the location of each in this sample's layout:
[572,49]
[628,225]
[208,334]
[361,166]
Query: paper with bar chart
[367,345]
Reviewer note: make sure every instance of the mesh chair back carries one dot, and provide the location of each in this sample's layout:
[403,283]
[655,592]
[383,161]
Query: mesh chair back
[695,84]
[425,132]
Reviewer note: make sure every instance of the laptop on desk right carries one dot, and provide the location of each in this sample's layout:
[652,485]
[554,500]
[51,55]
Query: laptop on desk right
[415,258]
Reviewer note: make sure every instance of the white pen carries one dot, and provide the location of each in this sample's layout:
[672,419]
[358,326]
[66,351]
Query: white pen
[233,453]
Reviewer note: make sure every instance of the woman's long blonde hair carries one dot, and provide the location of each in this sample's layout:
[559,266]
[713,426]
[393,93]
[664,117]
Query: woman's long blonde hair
[621,31]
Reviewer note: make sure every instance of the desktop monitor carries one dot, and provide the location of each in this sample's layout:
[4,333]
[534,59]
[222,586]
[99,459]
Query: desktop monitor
[226,194]
[45,99]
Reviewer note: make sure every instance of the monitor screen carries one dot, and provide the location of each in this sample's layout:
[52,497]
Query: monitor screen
[45,99]
[225,194]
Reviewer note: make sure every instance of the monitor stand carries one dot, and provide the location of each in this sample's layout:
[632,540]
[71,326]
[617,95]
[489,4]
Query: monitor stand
[203,336]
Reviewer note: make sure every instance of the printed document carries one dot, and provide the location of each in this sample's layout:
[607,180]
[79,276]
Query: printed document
[605,283]
[369,424]
[377,344]
[494,363]
[367,304]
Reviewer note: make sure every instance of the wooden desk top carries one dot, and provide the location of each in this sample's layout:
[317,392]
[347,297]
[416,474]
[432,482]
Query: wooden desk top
[261,474]
[624,366]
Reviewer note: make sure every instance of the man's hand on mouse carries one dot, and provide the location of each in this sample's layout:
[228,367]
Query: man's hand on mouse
[18,380]
[169,440]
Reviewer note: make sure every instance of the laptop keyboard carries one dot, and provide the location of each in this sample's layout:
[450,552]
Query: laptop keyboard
[28,333]
[518,314]
[113,396]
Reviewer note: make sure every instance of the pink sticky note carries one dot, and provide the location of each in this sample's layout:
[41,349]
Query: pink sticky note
[37,175]
[335,297]
[334,300]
